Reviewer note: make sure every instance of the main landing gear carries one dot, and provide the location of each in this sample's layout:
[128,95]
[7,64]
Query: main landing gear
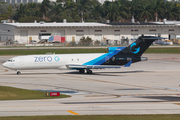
[18,72]
[89,71]
[82,71]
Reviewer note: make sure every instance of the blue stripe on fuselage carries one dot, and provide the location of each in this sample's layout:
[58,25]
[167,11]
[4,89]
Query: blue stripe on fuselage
[100,60]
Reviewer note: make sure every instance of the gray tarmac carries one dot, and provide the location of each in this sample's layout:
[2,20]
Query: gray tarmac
[148,87]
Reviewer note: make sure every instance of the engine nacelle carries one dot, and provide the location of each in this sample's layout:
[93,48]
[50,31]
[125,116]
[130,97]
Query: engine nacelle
[144,58]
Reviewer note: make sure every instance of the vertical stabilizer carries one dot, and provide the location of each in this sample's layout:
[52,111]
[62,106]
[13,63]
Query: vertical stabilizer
[138,47]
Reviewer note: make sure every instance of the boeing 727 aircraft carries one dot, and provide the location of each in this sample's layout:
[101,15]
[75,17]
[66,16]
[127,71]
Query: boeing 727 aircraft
[115,58]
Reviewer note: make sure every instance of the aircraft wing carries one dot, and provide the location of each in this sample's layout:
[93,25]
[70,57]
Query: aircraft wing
[75,66]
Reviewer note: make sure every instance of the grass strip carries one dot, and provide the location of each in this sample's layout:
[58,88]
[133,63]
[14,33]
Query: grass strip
[11,93]
[96,117]
[73,51]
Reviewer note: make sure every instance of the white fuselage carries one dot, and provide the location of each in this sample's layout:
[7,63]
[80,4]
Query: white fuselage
[55,61]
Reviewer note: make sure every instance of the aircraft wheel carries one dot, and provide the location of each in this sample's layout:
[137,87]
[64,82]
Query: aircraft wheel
[89,71]
[18,72]
[81,71]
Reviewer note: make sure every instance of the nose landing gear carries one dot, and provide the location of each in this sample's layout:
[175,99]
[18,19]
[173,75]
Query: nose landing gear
[18,72]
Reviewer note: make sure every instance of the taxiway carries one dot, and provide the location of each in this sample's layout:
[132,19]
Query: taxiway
[150,87]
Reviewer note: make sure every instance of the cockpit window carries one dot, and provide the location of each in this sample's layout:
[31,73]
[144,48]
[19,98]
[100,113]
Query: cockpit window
[11,60]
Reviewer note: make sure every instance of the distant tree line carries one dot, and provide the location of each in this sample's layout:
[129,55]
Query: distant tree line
[91,11]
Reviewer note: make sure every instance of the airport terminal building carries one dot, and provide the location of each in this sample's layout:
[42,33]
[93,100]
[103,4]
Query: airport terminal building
[111,33]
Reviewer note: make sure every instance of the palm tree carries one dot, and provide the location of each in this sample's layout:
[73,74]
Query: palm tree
[57,8]
[22,11]
[93,10]
[146,11]
[157,8]
[83,7]
[120,9]
[38,10]
[71,8]
[172,11]
[31,9]
[96,12]
[9,12]
[131,9]
[117,10]
[45,7]
[108,11]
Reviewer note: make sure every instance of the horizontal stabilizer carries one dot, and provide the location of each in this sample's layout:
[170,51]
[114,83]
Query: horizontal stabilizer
[153,38]
[128,64]
[73,66]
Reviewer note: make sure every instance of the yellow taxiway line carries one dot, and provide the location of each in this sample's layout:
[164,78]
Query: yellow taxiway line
[72,112]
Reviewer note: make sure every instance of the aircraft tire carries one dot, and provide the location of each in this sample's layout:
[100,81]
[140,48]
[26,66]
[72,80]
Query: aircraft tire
[81,71]
[18,72]
[89,71]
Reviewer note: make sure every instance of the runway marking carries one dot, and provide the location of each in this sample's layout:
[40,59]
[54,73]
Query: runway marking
[7,84]
[5,70]
[116,96]
[133,95]
[164,58]
[99,95]
[150,95]
[177,103]
[47,100]
[171,58]
[72,112]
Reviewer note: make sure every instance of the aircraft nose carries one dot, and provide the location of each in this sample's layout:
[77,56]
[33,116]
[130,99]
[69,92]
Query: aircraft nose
[4,64]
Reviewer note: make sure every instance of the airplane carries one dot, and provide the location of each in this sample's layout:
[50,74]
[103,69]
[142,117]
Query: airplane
[115,58]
